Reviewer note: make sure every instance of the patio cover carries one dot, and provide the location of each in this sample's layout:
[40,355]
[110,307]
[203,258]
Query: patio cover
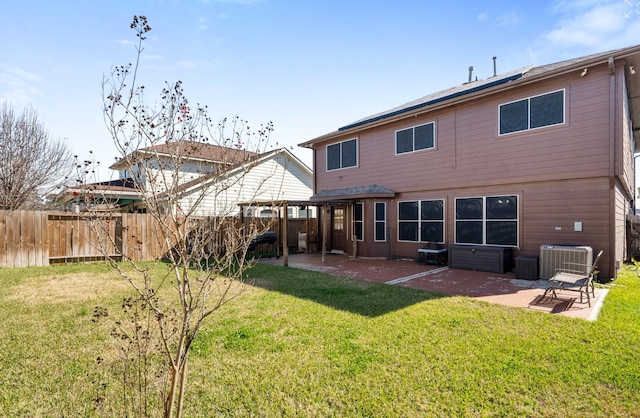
[360,192]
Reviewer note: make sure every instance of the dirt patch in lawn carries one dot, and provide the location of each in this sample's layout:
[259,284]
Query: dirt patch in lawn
[67,288]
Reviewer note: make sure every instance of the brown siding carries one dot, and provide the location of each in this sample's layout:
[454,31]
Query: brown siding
[547,215]
[561,173]
[622,208]
[470,152]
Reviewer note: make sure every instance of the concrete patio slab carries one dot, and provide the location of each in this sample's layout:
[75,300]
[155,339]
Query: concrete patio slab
[504,289]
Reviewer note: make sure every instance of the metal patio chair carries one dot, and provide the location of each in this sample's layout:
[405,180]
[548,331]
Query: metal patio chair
[576,277]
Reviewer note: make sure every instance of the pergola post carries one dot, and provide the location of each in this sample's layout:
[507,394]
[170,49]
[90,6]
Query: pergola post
[325,210]
[285,244]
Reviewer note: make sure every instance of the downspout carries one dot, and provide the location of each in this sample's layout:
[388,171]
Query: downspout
[455,137]
[314,168]
[635,186]
[612,173]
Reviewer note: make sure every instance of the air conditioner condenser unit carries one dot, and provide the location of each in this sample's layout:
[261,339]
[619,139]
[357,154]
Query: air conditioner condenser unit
[554,257]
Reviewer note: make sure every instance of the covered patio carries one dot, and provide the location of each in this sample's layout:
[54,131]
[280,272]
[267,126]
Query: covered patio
[498,288]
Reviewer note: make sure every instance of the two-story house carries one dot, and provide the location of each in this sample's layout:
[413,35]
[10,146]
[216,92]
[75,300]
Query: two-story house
[203,179]
[540,155]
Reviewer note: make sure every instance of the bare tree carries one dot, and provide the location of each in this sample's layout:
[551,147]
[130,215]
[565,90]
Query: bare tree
[32,164]
[205,256]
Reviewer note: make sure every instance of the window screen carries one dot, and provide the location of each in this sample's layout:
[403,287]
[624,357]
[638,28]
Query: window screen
[380,221]
[358,221]
[415,138]
[423,136]
[333,157]
[491,220]
[547,109]
[421,221]
[514,117]
[342,155]
[531,113]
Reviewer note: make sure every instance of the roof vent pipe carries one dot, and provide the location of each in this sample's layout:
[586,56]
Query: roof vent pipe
[495,73]
[470,73]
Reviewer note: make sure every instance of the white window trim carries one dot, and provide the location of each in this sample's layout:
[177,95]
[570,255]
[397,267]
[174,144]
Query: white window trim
[395,138]
[420,240]
[375,221]
[564,112]
[355,221]
[326,153]
[484,220]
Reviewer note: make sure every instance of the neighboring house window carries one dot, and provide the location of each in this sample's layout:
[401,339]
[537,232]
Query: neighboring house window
[380,221]
[266,213]
[358,221]
[421,221]
[531,113]
[416,138]
[342,155]
[490,220]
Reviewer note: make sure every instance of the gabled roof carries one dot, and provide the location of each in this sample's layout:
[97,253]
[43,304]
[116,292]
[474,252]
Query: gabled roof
[191,150]
[256,159]
[120,188]
[126,187]
[441,96]
[498,83]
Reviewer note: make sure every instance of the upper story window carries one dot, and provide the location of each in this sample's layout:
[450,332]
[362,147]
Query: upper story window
[416,138]
[342,155]
[531,113]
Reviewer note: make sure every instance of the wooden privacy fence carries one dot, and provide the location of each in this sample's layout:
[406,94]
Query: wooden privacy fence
[32,238]
[633,237]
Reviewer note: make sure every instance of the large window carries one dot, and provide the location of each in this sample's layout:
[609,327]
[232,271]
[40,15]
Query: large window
[358,221]
[491,220]
[421,221]
[531,113]
[380,222]
[342,155]
[416,138]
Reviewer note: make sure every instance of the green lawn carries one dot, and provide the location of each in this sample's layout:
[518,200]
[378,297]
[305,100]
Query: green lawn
[301,343]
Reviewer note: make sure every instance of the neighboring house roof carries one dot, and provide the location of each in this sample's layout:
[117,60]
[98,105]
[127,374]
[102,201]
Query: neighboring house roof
[120,188]
[478,88]
[192,185]
[192,150]
[353,193]
[125,188]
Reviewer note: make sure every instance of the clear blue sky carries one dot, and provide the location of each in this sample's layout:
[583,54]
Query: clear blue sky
[308,66]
